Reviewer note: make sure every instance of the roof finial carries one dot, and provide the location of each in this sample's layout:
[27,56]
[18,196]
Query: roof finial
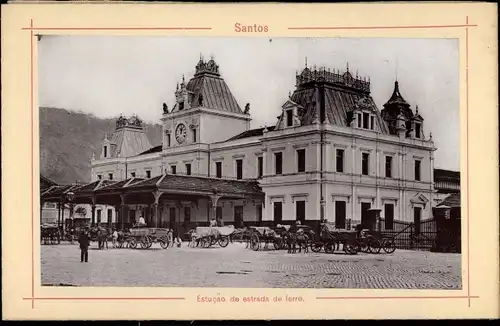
[430,136]
[347,66]
[306,62]
[183,80]
[177,87]
[212,56]
[416,109]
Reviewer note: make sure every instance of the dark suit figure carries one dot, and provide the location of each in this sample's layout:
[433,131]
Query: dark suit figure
[84,246]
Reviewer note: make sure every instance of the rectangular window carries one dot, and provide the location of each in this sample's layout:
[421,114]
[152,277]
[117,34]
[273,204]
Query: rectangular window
[148,174]
[388,166]
[99,212]
[278,163]
[389,216]
[194,135]
[99,177]
[239,169]
[301,160]
[289,118]
[340,214]
[132,174]
[300,211]
[417,130]
[340,160]
[366,116]
[359,120]
[218,169]
[372,123]
[168,140]
[110,216]
[364,163]
[417,170]
[278,210]
[188,169]
[110,175]
[260,166]
[173,169]
[105,151]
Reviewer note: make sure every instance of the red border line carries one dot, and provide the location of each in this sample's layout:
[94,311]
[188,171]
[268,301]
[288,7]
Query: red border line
[101,298]
[397,298]
[467,133]
[378,27]
[118,28]
[466,25]
[32,175]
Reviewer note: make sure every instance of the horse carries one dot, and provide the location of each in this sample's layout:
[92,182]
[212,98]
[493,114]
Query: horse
[101,235]
[296,238]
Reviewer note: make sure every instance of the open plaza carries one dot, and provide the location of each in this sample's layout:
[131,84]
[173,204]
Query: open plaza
[238,266]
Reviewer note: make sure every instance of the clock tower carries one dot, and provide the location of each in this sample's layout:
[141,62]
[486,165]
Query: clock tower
[205,112]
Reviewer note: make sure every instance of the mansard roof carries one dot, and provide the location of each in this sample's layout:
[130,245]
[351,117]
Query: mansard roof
[209,90]
[343,93]
[129,140]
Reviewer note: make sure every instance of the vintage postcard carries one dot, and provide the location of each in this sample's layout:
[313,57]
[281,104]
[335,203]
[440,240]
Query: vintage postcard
[249,161]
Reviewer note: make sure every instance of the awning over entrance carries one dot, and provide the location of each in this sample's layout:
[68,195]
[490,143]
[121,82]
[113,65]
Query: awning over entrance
[149,191]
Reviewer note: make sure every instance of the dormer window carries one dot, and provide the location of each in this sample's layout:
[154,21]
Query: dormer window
[105,151]
[372,122]
[194,135]
[366,120]
[168,140]
[418,132]
[359,120]
[181,106]
[289,118]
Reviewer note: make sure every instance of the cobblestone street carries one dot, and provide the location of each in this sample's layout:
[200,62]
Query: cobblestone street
[236,266]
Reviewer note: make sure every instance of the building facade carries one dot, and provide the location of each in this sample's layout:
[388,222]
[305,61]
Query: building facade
[331,154]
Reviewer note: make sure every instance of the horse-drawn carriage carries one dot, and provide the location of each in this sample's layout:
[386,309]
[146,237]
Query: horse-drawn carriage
[207,236]
[145,237]
[353,241]
[50,234]
[330,239]
[265,235]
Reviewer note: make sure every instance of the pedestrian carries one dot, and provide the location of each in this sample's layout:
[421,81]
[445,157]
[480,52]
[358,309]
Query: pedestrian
[114,237]
[84,246]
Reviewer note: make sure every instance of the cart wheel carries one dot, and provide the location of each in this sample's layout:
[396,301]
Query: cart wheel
[151,240]
[389,246]
[223,241]
[374,246]
[316,246]
[205,242]
[132,243]
[255,242]
[164,243]
[329,248]
[351,248]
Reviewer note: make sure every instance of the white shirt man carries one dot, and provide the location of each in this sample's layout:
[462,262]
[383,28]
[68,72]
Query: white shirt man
[141,221]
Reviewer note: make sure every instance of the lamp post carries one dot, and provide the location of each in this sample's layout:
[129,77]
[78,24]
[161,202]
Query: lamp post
[70,197]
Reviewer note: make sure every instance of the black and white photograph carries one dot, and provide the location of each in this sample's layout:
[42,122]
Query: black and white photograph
[249,162]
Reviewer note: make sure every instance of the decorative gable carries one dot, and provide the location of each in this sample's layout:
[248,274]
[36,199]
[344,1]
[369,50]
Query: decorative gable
[289,117]
[419,199]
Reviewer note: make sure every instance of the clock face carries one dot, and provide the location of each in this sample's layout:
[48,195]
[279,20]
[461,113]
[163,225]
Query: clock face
[180,133]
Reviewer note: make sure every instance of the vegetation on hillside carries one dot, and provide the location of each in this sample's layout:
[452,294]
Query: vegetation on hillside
[68,139]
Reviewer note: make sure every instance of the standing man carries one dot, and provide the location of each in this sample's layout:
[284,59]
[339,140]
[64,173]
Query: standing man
[84,246]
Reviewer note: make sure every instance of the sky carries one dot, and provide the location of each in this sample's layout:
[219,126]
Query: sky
[112,75]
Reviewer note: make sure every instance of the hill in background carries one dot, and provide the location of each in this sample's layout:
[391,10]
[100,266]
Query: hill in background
[68,139]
